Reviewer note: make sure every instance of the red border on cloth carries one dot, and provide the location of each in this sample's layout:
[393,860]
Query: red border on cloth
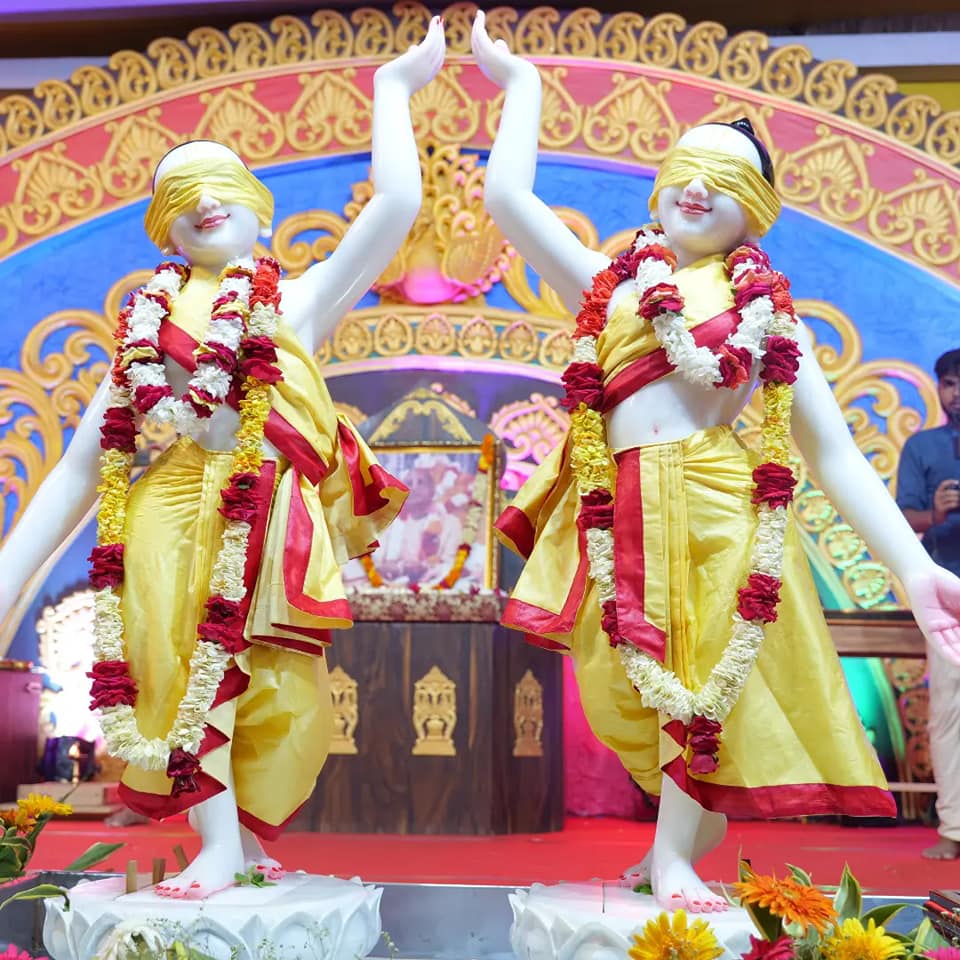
[368,498]
[788,800]
[529,618]
[652,366]
[514,524]
[296,557]
[630,561]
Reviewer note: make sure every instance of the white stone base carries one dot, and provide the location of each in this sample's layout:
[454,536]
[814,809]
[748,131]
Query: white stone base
[301,917]
[597,920]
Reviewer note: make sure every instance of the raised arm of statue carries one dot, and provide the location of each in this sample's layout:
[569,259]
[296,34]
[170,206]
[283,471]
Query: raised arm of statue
[857,491]
[315,302]
[65,496]
[530,225]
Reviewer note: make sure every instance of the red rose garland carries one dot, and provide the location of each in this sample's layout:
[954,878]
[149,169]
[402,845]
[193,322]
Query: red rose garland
[766,331]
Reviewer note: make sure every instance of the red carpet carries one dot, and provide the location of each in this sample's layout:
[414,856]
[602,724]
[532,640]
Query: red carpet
[886,860]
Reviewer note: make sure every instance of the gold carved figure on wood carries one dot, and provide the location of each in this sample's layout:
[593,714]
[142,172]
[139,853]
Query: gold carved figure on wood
[528,716]
[346,712]
[434,715]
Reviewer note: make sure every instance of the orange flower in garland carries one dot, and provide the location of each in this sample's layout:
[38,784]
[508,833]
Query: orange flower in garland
[792,901]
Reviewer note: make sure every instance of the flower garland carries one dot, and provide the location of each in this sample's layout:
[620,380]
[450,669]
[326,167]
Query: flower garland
[471,524]
[238,354]
[767,331]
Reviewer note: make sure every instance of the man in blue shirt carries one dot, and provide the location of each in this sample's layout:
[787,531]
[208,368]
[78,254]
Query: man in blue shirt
[928,492]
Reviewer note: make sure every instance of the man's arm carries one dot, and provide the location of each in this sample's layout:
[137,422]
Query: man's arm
[921,511]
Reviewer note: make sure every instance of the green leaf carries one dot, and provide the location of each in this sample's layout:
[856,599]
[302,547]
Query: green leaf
[96,853]
[925,937]
[39,892]
[800,875]
[848,900]
[766,923]
[880,915]
[643,888]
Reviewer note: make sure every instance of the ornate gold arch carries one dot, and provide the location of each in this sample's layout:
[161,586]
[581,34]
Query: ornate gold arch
[122,117]
[857,129]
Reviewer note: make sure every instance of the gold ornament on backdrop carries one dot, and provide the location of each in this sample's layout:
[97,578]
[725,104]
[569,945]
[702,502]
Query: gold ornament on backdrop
[434,714]
[346,712]
[528,716]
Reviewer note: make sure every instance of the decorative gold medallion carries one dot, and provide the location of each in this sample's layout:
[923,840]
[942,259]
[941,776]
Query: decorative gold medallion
[346,714]
[434,714]
[528,716]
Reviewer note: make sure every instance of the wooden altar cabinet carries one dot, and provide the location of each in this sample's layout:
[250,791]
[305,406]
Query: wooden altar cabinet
[445,722]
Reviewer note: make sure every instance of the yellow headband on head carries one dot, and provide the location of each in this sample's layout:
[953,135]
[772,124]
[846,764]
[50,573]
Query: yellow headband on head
[180,190]
[723,173]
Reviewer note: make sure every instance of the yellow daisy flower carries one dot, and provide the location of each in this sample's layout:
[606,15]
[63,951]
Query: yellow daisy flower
[852,941]
[39,804]
[667,937]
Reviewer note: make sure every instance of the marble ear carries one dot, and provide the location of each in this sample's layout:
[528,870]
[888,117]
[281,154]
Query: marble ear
[266,232]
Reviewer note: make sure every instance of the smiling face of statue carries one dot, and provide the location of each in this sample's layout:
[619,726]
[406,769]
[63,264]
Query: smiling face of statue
[699,221]
[213,231]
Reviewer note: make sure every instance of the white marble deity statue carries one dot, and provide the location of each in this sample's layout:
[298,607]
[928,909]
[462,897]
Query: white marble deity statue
[661,552]
[218,572]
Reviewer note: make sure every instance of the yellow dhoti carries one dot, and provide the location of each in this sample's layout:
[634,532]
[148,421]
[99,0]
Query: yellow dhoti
[320,503]
[684,527]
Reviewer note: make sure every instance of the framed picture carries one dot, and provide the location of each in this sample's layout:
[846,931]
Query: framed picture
[443,535]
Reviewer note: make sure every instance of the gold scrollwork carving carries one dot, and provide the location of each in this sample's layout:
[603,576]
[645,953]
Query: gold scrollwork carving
[577,35]
[528,716]
[784,72]
[52,187]
[943,138]
[925,214]
[831,172]
[137,142]
[741,60]
[334,37]
[535,35]
[434,715]
[330,109]
[425,402]
[136,75]
[214,53]
[868,100]
[293,42]
[253,46]
[61,104]
[664,41]
[346,712]
[910,118]
[562,117]
[296,255]
[374,33]
[98,90]
[634,115]
[175,62]
[620,37]
[659,44]
[234,117]
[444,110]
[699,51]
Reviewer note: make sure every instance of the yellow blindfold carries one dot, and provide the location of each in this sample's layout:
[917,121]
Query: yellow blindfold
[179,191]
[723,173]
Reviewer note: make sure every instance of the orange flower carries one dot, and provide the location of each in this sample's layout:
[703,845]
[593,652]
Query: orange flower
[792,901]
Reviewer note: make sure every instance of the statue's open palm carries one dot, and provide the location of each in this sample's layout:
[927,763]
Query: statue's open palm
[935,599]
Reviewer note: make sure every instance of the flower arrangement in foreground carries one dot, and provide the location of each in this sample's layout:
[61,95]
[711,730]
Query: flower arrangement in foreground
[22,826]
[796,921]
